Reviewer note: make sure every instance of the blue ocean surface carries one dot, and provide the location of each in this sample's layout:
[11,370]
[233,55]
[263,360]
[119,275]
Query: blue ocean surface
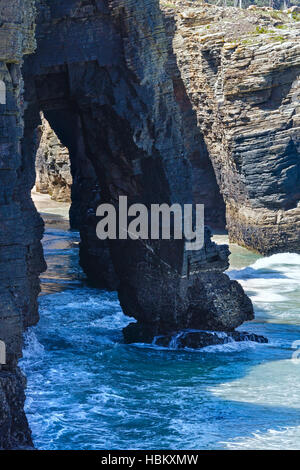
[88,390]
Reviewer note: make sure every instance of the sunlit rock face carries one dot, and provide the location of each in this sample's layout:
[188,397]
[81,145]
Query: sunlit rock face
[241,71]
[52,164]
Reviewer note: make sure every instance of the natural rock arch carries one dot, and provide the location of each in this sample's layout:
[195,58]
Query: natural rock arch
[104,72]
[127,108]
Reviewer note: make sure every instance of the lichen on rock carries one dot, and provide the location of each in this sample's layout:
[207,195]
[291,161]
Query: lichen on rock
[241,71]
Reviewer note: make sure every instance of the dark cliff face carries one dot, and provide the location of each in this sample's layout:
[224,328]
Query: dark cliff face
[21,228]
[105,78]
[104,71]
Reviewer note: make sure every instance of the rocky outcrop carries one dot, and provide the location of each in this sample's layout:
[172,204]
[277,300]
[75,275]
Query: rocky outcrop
[201,339]
[144,98]
[21,228]
[241,71]
[52,164]
[118,90]
[195,339]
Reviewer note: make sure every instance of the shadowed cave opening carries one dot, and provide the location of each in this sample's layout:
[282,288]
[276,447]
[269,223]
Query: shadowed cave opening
[64,172]
[127,136]
[116,147]
[77,171]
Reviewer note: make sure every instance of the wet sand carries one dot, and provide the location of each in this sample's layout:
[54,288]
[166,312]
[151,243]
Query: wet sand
[54,214]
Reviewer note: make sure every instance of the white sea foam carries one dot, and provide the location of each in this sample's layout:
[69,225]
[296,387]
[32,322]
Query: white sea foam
[88,302]
[282,439]
[278,260]
[33,348]
[273,284]
[232,346]
[265,296]
[113,321]
[270,267]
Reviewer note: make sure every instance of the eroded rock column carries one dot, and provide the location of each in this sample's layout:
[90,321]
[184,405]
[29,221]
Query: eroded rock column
[140,135]
[21,259]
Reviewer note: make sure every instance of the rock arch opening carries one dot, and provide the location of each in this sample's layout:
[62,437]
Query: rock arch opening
[133,134]
[107,83]
[130,90]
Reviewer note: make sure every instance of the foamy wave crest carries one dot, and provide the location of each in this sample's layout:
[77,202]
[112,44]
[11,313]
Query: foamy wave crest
[272,267]
[268,297]
[32,346]
[287,439]
[271,280]
[278,260]
[113,321]
[232,346]
[174,345]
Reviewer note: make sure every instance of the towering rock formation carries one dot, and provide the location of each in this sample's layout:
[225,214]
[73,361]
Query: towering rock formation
[21,228]
[118,90]
[241,72]
[142,98]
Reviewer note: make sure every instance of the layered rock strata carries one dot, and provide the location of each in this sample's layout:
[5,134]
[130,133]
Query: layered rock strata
[119,91]
[21,228]
[241,71]
[144,97]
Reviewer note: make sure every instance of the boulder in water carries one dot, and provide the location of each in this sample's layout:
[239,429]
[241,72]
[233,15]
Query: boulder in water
[194,339]
[202,339]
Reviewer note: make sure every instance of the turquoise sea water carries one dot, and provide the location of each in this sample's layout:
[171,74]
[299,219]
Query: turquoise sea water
[87,390]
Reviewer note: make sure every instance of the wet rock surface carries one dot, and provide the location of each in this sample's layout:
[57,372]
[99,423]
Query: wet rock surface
[14,430]
[202,339]
[195,339]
